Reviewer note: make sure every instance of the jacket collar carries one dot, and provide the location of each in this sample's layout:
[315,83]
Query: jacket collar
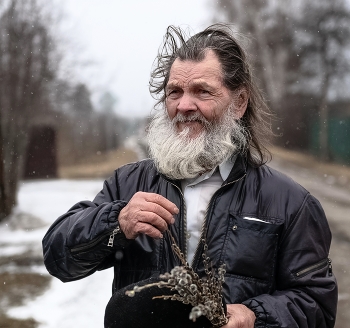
[239,169]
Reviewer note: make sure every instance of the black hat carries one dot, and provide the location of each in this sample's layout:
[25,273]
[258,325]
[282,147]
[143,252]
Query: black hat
[142,311]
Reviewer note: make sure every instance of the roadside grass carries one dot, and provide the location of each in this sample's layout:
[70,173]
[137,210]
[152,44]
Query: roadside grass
[6,322]
[25,260]
[99,166]
[15,289]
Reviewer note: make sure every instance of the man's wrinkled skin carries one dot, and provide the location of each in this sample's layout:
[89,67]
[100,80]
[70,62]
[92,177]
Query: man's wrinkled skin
[147,213]
[239,316]
[198,87]
[192,87]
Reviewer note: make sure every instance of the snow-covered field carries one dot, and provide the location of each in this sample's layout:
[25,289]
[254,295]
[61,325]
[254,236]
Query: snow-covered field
[75,304]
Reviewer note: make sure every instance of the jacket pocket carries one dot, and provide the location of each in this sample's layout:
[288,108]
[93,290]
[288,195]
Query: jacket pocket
[251,248]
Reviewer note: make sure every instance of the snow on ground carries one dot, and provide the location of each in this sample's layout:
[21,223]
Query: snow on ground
[75,304]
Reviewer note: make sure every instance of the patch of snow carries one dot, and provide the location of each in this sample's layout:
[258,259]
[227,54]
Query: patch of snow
[50,199]
[24,221]
[75,304]
[6,250]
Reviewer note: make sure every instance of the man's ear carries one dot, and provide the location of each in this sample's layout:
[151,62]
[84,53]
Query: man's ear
[241,101]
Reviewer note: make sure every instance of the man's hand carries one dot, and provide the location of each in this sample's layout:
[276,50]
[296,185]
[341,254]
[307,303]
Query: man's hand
[147,213]
[239,316]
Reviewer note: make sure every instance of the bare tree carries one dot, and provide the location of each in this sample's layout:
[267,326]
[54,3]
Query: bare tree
[110,123]
[85,130]
[30,90]
[26,68]
[299,50]
[324,36]
[265,23]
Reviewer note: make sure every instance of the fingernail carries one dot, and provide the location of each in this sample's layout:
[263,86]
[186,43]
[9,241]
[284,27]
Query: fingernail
[176,210]
[172,220]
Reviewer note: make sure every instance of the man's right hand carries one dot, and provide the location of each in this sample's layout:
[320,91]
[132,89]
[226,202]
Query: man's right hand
[147,213]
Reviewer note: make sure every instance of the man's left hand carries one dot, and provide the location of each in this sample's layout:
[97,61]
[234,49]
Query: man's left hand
[239,316]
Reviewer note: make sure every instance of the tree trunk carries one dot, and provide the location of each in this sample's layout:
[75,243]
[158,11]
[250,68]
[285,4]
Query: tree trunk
[323,109]
[4,208]
[323,122]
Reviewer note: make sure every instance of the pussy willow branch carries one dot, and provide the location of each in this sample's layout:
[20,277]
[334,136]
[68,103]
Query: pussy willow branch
[204,294]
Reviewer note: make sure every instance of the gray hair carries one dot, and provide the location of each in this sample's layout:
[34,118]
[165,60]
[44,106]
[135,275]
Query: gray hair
[236,74]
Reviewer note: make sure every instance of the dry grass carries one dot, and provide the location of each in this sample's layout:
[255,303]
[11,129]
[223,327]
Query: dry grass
[6,322]
[99,166]
[21,260]
[103,165]
[15,288]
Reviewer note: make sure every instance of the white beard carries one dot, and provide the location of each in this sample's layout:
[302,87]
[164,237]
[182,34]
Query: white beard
[178,156]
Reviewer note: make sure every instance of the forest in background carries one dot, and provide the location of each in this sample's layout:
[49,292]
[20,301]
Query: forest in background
[300,52]
[301,56]
[46,120]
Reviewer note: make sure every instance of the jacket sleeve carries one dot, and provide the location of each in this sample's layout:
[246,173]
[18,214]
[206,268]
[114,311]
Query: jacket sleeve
[76,245]
[306,290]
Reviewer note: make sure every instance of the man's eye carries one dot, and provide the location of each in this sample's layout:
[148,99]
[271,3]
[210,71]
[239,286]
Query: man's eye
[204,92]
[173,92]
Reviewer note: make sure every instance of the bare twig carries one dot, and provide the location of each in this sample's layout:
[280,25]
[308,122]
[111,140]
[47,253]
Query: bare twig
[204,294]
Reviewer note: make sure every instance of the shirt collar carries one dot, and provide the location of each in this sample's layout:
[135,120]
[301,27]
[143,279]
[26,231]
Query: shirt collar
[224,169]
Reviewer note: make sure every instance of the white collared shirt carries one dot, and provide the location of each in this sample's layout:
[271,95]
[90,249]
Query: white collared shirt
[197,193]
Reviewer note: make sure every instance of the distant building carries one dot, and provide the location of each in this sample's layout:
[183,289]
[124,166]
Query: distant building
[40,160]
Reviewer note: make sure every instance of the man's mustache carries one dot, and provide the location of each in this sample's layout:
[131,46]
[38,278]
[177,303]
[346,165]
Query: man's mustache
[198,117]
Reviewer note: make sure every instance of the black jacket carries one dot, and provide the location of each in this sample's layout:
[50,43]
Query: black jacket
[277,265]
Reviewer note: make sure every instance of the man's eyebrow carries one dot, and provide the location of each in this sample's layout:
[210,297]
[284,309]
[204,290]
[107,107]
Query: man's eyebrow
[173,84]
[200,83]
[195,83]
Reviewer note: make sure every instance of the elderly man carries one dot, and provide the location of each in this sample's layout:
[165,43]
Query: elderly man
[207,179]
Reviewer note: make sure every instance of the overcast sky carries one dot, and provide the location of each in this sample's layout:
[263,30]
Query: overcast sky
[121,39]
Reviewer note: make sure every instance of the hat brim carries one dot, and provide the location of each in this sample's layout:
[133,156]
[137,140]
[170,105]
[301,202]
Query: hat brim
[142,311]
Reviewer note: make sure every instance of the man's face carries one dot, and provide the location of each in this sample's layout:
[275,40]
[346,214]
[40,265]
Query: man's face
[196,87]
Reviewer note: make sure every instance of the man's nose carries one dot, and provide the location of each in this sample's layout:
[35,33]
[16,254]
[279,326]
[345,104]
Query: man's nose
[187,103]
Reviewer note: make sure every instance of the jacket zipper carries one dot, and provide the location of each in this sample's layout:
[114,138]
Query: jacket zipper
[316,266]
[204,224]
[94,242]
[184,234]
[111,237]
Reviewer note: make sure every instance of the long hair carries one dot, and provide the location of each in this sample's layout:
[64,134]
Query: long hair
[236,72]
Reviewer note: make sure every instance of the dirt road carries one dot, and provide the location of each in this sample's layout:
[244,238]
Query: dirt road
[332,188]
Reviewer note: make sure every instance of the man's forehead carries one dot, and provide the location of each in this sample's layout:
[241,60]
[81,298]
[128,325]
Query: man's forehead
[204,72]
[173,83]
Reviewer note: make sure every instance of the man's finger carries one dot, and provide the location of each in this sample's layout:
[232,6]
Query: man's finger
[154,220]
[162,201]
[147,229]
[158,210]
